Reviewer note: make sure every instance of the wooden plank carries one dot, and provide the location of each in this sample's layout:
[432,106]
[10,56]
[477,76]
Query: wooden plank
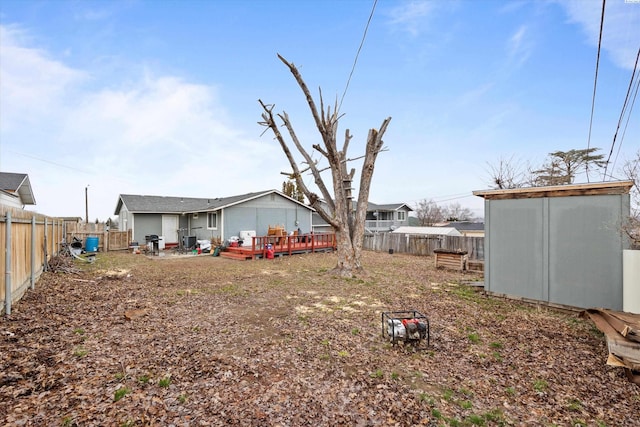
[594,188]
[456,261]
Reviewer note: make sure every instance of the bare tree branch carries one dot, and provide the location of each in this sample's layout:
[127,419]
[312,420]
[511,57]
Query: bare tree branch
[348,226]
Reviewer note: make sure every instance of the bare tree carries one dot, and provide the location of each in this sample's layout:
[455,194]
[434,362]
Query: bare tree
[508,173]
[455,212]
[631,171]
[429,213]
[560,168]
[347,224]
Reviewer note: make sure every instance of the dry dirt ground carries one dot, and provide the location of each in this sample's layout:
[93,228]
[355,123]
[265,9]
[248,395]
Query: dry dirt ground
[133,340]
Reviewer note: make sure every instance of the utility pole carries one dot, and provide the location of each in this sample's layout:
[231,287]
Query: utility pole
[86,203]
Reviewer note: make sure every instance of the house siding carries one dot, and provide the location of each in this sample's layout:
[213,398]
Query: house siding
[254,211]
[260,213]
[198,226]
[11,201]
[146,224]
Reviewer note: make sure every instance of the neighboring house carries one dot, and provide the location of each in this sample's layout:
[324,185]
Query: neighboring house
[15,190]
[467,228]
[387,217]
[561,244]
[427,231]
[379,218]
[210,218]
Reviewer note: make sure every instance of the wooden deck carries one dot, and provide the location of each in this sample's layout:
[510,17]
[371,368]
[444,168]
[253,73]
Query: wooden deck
[287,245]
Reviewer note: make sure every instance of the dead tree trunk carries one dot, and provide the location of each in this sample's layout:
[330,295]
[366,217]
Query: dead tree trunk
[347,223]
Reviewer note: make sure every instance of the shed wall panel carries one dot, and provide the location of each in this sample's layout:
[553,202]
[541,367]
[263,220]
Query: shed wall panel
[561,250]
[585,247]
[514,258]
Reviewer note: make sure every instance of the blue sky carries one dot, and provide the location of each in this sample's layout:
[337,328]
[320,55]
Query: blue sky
[161,97]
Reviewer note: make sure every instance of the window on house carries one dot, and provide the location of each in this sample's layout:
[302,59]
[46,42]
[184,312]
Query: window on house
[212,220]
[402,215]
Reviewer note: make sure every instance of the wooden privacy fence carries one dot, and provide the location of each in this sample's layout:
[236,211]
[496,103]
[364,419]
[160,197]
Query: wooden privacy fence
[28,239]
[108,240]
[424,245]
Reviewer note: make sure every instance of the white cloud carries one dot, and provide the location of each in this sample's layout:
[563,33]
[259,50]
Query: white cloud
[519,46]
[153,135]
[621,32]
[31,83]
[411,16]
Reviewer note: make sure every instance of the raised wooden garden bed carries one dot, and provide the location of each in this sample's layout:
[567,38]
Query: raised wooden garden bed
[453,259]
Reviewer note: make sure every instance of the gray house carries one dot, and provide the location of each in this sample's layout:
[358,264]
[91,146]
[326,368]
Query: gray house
[380,218]
[560,245]
[15,190]
[208,218]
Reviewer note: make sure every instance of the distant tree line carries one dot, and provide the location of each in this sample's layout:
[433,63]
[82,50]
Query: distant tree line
[430,213]
[559,168]
[290,188]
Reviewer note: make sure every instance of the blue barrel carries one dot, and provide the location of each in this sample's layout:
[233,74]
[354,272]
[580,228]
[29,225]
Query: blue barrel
[91,244]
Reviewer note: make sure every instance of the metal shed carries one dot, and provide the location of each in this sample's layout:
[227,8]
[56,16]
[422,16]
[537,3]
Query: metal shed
[560,244]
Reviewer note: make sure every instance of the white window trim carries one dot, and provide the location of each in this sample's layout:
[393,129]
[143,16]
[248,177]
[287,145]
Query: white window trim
[402,216]
[209,221]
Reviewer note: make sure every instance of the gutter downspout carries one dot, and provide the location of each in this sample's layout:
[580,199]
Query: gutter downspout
[222,225]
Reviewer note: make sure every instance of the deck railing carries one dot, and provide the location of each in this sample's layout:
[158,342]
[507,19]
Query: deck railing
[292,244]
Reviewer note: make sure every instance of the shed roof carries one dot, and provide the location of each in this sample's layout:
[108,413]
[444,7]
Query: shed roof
[170,204]
[427,231]
[587,189]
[18,183]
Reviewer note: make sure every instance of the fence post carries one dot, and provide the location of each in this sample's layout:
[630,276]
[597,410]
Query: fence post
[7,267]
[33,252]
[46,261]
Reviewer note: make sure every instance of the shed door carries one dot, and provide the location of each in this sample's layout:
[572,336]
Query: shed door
[170,228]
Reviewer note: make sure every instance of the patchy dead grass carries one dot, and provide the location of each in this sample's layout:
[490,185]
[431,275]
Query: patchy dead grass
[211,341]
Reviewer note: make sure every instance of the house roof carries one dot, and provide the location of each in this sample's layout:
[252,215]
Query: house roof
[388,207]
[588,189]
[465,225]
[170,204]
[18,183]
[427,231]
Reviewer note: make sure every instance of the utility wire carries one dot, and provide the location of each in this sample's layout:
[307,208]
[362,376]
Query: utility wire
[633,101]
[622,112]
[355,61]
[595,83]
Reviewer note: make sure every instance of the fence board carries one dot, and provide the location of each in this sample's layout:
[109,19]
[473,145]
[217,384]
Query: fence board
[27,240]
[108,240]
[424,245]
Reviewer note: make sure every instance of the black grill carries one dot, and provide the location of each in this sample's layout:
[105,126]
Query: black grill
[152,241]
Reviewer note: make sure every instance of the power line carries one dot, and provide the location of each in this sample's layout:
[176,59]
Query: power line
[633,101]
[595,83]
[364,36]
[50,162]
[622,112]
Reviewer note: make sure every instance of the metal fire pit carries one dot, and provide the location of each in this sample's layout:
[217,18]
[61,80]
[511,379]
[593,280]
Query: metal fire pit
[408,326]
